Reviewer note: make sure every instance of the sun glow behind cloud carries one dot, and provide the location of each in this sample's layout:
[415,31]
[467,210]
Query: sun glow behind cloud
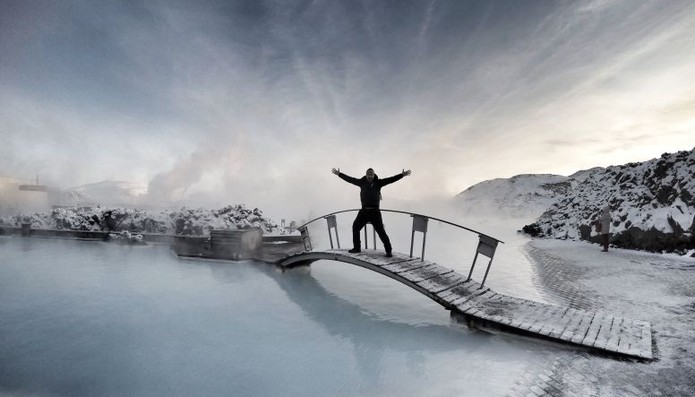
[220,102]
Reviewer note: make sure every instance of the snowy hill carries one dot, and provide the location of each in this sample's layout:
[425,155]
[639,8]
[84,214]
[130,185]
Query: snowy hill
[524,196]
[580,176]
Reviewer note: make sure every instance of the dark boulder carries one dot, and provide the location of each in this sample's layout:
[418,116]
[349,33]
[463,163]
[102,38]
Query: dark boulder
[584,232]
[653,240]
[533,230]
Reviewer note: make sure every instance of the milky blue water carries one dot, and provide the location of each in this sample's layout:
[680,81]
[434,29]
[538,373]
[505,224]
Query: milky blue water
[96,319]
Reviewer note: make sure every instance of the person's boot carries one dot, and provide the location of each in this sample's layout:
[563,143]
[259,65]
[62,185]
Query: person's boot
[388,255]
[355,250]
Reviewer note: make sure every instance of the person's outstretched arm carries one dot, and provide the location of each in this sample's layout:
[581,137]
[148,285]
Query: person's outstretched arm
[394,178]
[346,178]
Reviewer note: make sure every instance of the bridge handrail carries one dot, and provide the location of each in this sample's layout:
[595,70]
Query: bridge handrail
[486,244]
[407,213]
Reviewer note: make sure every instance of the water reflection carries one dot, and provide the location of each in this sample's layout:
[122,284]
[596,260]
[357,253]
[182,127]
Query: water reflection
[225,272]
[369,335]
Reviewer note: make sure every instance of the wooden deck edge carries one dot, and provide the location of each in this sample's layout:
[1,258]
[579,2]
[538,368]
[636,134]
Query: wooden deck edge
[498,327]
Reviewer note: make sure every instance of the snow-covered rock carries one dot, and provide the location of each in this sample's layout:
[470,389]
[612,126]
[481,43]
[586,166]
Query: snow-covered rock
[652,204]
[125,237]
[183,221]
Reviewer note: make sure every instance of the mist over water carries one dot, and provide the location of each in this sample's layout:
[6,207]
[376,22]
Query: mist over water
[82,319]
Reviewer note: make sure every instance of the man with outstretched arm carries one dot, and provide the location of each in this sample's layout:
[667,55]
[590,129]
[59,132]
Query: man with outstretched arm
[370,194]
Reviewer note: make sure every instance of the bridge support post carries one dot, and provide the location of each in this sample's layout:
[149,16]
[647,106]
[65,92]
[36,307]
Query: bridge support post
[306,240]
[332,223]
[419,225]
[366,241]
[459,319]
[487,247]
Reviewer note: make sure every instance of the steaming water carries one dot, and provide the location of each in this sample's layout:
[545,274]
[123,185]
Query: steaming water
[86,319]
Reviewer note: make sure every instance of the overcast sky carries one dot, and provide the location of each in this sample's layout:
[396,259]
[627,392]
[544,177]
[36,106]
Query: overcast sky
[255,101]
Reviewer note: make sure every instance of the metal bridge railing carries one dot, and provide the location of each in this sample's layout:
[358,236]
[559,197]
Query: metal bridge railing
[487,245]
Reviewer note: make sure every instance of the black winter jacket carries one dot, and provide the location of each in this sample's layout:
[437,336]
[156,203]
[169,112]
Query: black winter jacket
[370,193]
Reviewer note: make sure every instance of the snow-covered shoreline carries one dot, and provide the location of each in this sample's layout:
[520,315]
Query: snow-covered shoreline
[639,285]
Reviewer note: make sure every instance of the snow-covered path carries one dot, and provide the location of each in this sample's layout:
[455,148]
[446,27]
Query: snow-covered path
[651,287]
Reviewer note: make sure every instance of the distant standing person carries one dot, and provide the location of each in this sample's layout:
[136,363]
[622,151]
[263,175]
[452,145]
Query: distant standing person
[605,219]
[370,194]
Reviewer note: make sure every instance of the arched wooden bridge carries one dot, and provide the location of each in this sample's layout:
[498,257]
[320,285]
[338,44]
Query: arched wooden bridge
[481,306]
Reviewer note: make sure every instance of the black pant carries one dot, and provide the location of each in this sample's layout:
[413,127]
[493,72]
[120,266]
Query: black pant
[372,216]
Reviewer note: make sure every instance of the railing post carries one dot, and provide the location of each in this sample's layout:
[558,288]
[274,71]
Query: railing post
[419,225]
[470,273]
[305,238]
[487,247]
[366,240]
[332,223]
[330,237]
[373,238]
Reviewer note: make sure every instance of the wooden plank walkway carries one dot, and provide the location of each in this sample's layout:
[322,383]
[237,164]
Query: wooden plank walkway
[594,330]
